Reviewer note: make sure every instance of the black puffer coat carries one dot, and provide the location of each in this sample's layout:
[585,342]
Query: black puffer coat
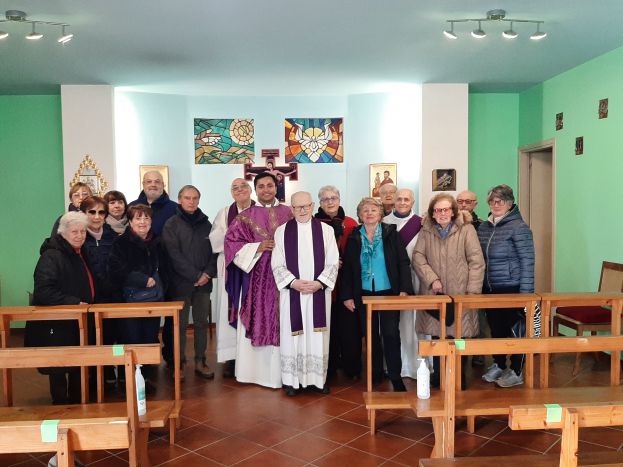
[61,278]
[133,261]
[508,249]
[97,252]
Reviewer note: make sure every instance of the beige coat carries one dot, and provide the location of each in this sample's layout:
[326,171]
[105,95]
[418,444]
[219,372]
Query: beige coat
[457,262]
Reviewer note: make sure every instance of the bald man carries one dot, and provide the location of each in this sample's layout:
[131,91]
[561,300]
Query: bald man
[154,196]
[387,193]
[226,334]
[467,201]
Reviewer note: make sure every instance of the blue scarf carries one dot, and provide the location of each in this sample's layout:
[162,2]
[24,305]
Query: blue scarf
[368,250]
[444,232]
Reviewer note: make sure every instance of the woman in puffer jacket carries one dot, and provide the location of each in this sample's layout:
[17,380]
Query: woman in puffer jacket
[508,248]
[448,260]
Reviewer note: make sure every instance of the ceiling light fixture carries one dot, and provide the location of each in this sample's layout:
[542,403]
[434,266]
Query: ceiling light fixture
[34,35]
[450,34]
[18,16]
[479,33]
[498,16]
[538,35]
[509,33]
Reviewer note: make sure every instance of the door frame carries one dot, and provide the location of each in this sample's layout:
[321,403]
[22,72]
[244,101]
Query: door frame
[522,169]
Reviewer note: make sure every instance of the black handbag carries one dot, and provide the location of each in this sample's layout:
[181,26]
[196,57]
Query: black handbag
[145,294]
[449,314]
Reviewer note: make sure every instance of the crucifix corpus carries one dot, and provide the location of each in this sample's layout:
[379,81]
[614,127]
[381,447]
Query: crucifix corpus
[282,172]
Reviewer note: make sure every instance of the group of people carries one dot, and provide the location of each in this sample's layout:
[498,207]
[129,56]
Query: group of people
[290,281]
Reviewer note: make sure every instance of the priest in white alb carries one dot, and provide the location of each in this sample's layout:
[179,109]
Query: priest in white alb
[408,225]
[305,264]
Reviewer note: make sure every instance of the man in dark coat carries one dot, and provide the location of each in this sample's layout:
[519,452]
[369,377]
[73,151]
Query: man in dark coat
[192,266]
[154,196]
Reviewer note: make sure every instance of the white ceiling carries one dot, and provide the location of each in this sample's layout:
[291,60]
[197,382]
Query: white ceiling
[297,47]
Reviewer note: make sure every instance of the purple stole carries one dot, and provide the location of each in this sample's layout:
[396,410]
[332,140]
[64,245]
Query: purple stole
[233,212]
[410,229]
[290,239]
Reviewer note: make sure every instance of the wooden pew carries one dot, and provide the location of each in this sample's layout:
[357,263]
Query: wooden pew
[437,406]
[143,310]
[9,314]
[498,401]
[82,426]
[536,417]
[573,417]
[614,300]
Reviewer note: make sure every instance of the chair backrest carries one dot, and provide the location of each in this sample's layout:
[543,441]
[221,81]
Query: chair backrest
[611,279]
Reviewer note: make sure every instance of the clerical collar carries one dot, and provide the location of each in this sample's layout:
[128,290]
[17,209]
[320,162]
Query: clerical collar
[272,205]
[401,216]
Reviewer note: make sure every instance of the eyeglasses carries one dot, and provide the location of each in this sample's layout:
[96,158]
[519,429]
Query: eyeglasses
[239,187]
[330,199]
[101,212]
[465,201]
[496,202]
[80,194]
[441,210]
[305,207]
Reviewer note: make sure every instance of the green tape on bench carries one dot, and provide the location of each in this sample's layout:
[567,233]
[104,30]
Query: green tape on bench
[554,413]
[49,431]
[460,344]
[117,349]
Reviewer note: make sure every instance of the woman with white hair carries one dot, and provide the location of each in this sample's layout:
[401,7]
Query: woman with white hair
[62,277]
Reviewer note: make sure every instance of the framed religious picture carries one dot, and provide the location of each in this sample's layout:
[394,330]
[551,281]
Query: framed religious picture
[444,180]
[559,121]
[579,145]
[89,173]
[603,108]
[163,169]
[381,174]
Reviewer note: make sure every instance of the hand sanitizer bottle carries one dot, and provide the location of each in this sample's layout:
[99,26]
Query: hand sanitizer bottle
[140,391]
[423,380]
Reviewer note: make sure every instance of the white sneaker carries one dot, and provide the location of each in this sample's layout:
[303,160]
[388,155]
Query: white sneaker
[509,378]
[493,373]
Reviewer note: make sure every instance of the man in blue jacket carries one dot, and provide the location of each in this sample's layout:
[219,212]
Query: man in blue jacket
[154,196]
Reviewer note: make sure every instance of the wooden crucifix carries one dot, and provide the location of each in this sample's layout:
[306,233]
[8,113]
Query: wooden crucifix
[281,172]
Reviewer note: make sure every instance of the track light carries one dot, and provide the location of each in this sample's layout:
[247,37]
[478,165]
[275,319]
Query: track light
[509,33]
[497,16]
[450,34]
[65,37]
[33,36]
[18,16]
[538,35]
[479,33]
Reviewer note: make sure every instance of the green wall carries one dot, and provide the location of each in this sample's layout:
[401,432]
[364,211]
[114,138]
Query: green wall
[589,188]
[493,141]
[31,180]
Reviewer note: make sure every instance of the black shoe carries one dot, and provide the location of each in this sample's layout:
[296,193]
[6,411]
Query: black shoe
[290,391]
[229,369]
[323,390]
[398,385]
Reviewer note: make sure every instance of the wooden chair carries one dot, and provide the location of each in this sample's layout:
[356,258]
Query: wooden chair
[81,427]
[594,318]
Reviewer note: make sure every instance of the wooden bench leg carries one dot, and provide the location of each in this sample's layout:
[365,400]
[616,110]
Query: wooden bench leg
[172,426]
[142,437]
[569,442]
[372,415]
[471,423]
[439,428]
[64,452]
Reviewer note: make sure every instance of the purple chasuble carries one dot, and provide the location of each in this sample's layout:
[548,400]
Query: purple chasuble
[410,229]
[233,212]
[256,291]
[290,240]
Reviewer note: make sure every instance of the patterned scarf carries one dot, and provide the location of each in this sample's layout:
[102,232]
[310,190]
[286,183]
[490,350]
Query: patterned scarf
[368,250]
